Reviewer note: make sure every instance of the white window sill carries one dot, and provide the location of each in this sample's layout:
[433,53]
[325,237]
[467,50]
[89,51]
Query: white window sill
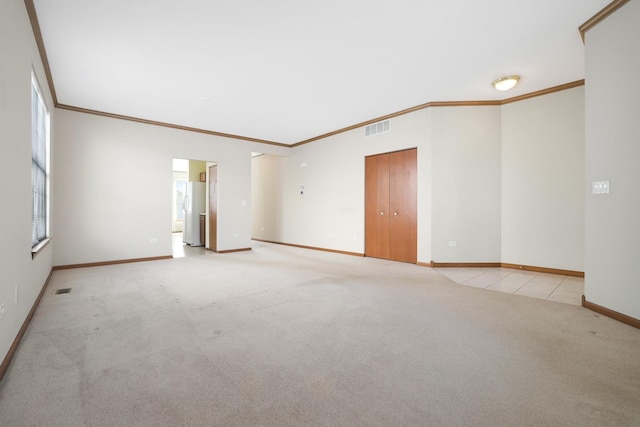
[39,247]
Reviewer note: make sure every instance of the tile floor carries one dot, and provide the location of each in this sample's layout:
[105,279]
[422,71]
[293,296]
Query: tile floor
[552,287]
[180,249]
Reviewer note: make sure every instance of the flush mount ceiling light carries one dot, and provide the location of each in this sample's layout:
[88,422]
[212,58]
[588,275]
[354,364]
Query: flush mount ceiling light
[506,83]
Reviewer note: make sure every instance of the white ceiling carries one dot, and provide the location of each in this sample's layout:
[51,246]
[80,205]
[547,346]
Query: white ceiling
[289,70]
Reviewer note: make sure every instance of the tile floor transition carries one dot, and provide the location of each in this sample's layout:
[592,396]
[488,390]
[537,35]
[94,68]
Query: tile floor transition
[551,287]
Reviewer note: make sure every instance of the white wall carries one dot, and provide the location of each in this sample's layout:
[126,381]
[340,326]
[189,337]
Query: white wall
[543,181]
[613,153]
[109,208]
[466,184]
[18,57]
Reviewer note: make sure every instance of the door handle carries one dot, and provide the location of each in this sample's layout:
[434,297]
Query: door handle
[382,213]
[395,213]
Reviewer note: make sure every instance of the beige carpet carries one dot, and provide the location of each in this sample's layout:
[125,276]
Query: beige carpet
[282,336]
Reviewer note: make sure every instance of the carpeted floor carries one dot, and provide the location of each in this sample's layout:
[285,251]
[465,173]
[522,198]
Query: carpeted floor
[282,336]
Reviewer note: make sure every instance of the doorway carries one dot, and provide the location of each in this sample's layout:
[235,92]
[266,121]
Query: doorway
[179,183]
[188,207]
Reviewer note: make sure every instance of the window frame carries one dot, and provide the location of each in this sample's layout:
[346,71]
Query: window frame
[40,111]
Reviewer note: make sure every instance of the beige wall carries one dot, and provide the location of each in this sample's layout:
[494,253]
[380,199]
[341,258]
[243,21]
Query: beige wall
[266,196]
[543,181]
[458,185]
[100,215]
[613,154]
[195,168]
[466,184]
[505,183]
[117,207]
[18,57]
[330,214]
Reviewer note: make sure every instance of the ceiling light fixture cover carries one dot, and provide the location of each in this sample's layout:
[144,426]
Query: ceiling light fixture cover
[506,83]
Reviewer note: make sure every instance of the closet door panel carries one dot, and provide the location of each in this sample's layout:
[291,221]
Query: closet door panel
[377,206]
[371,203]
[403,206]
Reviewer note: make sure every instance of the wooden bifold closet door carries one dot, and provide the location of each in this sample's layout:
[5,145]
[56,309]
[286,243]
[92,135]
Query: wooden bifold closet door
[391,206]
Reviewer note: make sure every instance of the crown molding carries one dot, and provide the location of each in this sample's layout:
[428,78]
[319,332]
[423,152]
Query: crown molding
[600,16]
[396,114]
[31,10]
[168,125]
[547,91]
[35,26]
[37,33]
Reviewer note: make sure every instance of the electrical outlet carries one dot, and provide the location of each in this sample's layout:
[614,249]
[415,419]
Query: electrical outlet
[1,310]
[236,235]
[453,243]
[16,294]
[154,240]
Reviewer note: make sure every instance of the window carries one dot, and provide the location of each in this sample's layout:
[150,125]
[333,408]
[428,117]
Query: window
[39,166]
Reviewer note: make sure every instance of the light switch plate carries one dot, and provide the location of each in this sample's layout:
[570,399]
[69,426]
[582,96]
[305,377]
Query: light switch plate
[600,187]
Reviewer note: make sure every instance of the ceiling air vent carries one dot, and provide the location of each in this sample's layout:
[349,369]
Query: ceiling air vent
[377,128]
